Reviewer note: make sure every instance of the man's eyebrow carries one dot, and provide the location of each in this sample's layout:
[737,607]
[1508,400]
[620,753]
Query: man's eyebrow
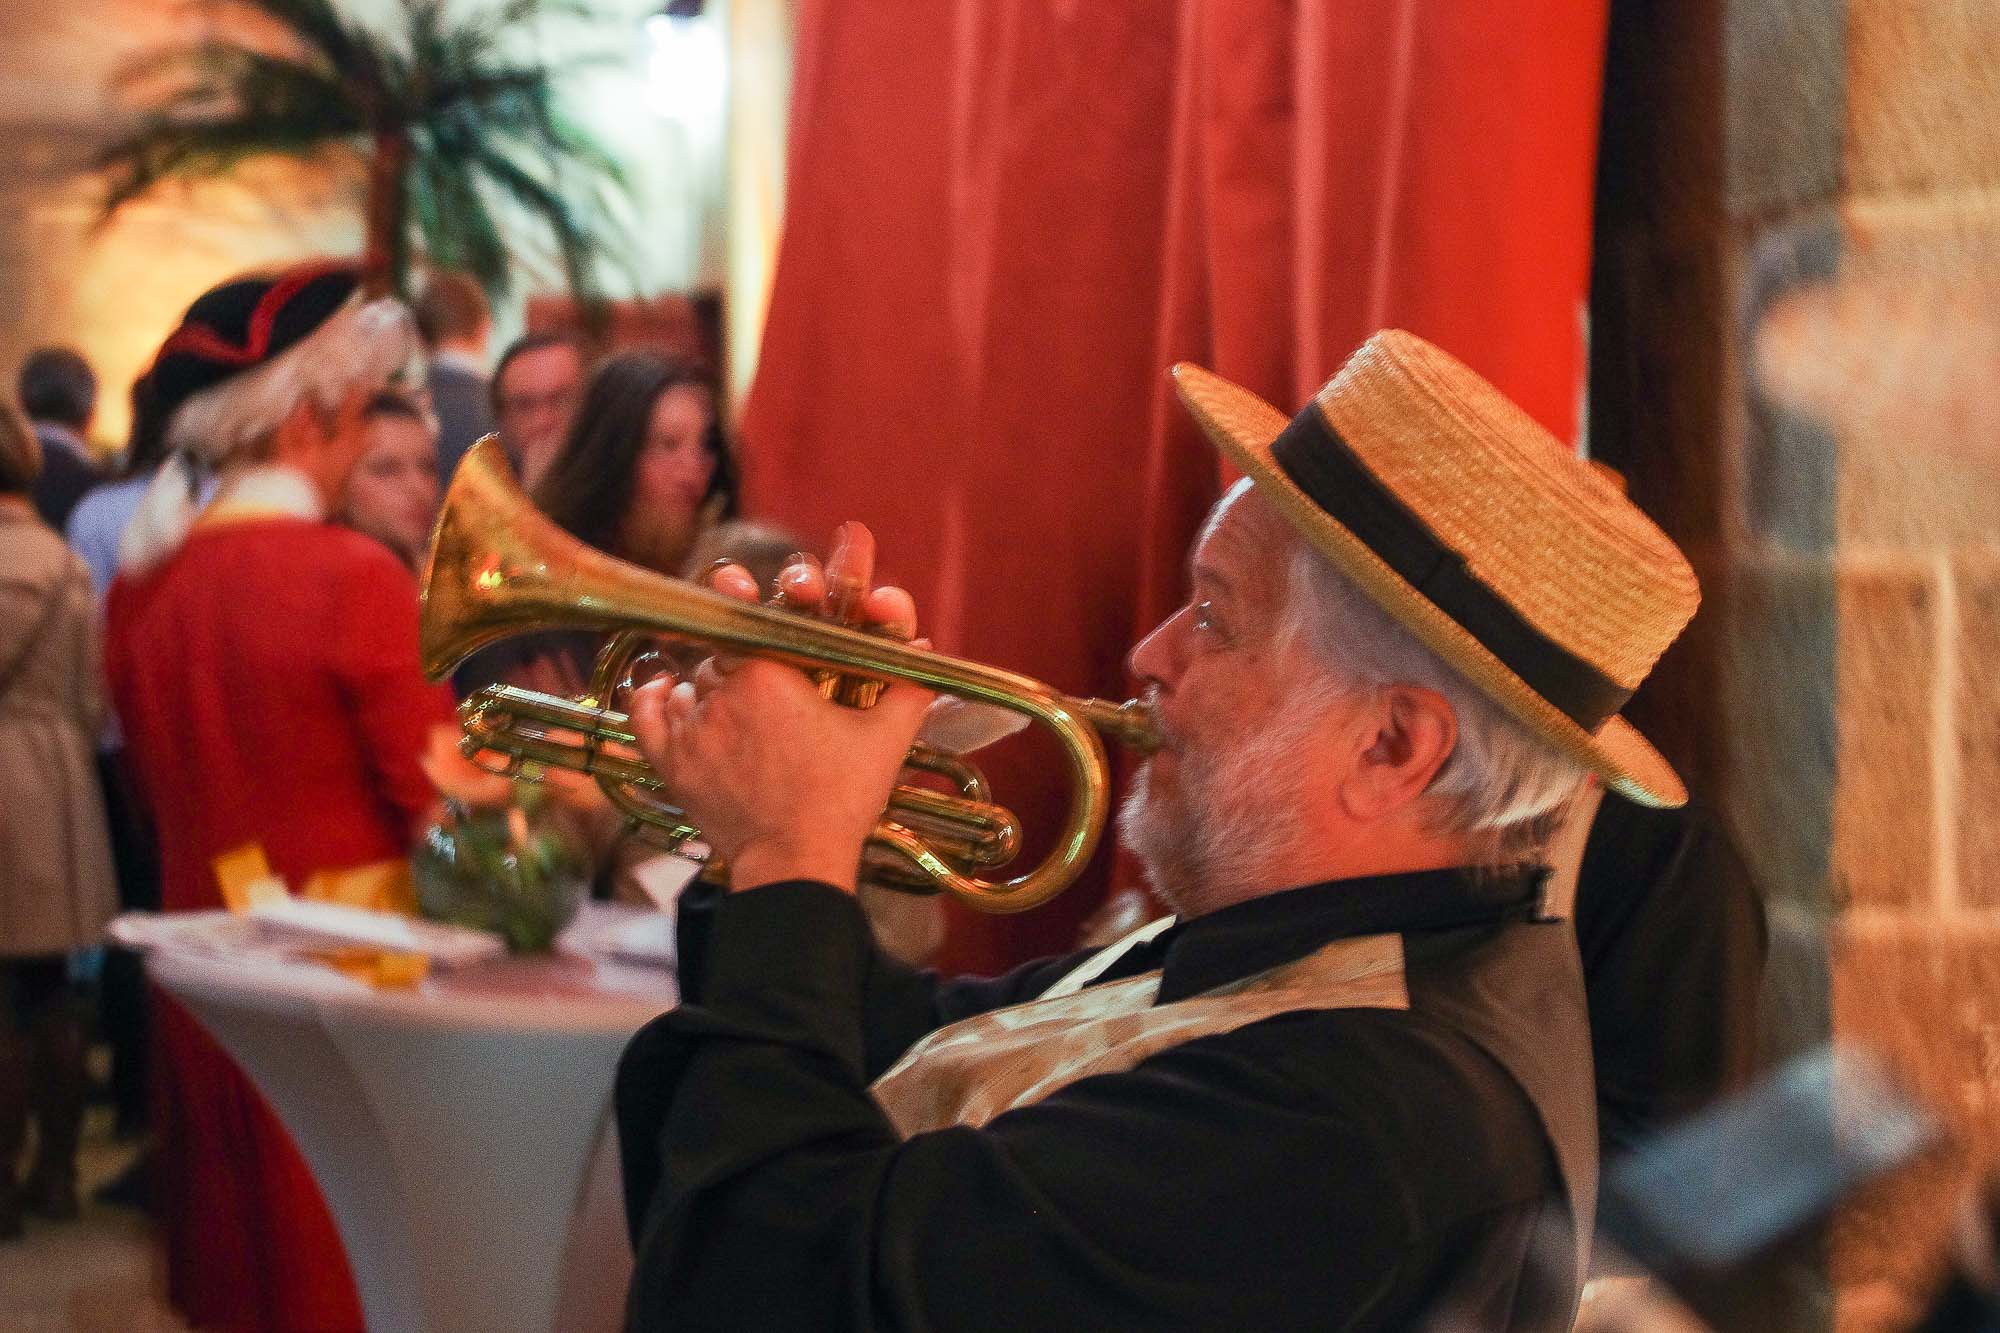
[1203,572]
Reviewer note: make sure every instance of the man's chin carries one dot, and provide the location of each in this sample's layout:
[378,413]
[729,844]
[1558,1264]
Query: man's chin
[1149,829]
[1159,776]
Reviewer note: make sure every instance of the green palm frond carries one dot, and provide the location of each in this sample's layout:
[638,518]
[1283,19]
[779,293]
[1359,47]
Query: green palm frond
[454,215]
[571,226]
[481,120]
[164,150]
[318,27]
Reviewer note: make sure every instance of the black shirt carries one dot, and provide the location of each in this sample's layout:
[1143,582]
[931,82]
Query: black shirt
[1334,1168]
[1672,933]
[67,475]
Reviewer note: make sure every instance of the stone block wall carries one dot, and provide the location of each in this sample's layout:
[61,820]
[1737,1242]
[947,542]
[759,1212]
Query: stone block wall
[1837,167]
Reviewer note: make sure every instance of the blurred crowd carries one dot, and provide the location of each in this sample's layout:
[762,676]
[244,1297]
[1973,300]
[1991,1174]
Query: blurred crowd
[208,639]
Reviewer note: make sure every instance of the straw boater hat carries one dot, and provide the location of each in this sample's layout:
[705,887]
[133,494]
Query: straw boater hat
[1507,555]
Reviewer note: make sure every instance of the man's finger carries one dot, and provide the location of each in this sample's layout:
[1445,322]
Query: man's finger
[890,610]
[801,584]
[902,706]
[709,675]
[850,572]
[732,580]
[649,722]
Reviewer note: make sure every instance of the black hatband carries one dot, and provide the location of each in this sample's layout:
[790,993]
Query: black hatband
[1319,462]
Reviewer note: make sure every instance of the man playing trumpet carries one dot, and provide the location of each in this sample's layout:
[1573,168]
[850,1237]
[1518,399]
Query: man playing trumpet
[1347,1085]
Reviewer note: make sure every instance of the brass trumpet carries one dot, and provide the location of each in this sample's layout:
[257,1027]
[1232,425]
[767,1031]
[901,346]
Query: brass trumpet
[498,568]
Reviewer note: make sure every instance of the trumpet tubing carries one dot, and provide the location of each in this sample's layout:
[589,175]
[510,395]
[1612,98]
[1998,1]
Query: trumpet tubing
[498,568]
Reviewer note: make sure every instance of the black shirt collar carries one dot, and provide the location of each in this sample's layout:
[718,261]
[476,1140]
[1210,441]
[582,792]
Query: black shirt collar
[1248,937]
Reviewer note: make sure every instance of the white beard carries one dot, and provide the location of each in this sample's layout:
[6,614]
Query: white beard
[1232,814]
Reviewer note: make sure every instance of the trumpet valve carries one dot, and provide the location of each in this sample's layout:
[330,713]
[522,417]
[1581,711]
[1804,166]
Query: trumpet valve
[841,688]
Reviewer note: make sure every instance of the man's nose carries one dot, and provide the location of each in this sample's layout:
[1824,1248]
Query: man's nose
[1155,659]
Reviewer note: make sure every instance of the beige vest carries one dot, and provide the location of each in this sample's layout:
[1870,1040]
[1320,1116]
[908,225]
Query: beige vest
[973,1070]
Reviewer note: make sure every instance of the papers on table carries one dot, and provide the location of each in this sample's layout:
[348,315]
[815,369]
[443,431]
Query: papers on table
[288,926]
[295,928]
[622,933]
[648,939]
[213,933]
[335,925]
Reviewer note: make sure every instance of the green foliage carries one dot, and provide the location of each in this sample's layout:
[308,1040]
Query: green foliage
[514,872]
[451,118]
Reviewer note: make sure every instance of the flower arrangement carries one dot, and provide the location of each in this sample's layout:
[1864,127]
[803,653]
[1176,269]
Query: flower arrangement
[502,857]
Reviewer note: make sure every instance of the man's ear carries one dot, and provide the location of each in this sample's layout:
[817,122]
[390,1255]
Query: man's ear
[1414,731]
[293,440]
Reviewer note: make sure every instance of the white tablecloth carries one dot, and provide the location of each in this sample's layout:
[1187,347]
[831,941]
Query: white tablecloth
[460,1130]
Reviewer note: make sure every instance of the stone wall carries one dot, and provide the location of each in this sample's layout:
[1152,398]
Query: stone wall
[1800,280]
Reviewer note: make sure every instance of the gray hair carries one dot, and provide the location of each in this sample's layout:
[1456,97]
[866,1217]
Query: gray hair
[362,346]
[1501,785]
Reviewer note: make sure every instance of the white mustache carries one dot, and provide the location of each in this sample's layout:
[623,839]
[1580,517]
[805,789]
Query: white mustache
[1170,737]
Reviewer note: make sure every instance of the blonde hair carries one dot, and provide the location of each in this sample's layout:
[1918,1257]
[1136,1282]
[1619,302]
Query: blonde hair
[20,451]
[364,345]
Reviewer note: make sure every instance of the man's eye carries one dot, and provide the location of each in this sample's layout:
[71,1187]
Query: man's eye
[1204,616]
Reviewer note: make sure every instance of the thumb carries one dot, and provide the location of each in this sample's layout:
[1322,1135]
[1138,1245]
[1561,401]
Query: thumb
[648,718]
[907,703]
[901,708]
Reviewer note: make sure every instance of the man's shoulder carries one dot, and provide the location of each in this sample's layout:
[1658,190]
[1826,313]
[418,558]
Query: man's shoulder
[359,561]
[288,562]
[1425,1092]
[456,376]
[31,554]
[1339,1051]
[57,438]
[299,539]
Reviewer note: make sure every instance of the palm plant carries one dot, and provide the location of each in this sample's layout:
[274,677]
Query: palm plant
[445,116]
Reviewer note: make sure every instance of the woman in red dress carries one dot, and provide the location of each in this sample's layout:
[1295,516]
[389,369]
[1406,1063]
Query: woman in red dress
[264,663]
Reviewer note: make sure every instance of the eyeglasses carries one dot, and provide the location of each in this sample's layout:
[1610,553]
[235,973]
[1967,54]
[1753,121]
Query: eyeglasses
[555,399]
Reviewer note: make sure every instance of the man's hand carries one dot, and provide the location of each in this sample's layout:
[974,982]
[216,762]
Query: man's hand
[783,783]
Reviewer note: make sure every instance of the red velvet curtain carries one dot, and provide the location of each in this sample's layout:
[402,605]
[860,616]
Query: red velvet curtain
[1006,218]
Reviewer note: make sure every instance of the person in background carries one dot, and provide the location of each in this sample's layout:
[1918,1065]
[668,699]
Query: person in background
[98,521]
[58,391]
[761,548]
[645,467]
[644,470]
[95,527]
[393,493]
[456,325]
[536,387]
[56,883]
[264,665]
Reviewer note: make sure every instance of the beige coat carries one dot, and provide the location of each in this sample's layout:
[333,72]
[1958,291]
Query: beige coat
[56,883]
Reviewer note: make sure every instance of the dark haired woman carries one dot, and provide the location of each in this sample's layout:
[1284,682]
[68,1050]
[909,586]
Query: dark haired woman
[644,470]
[644,467]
